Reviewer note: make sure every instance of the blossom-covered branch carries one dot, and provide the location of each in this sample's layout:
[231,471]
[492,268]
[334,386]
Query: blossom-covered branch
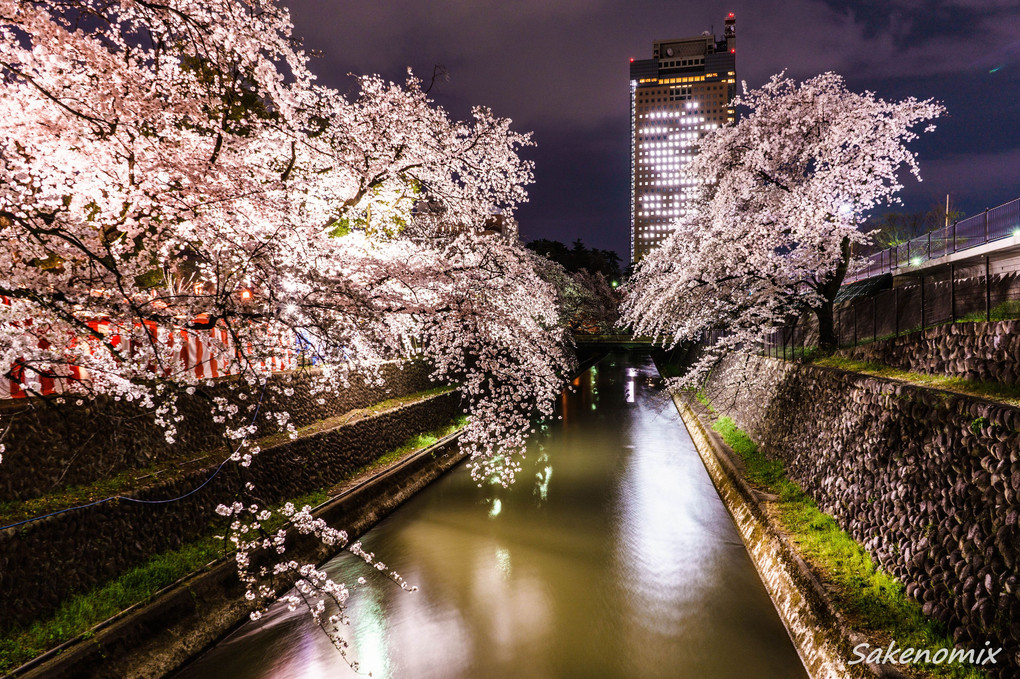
[174,165]
[780,197]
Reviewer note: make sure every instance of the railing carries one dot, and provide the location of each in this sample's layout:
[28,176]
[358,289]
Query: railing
[968,293]
[991,225]
[610,339]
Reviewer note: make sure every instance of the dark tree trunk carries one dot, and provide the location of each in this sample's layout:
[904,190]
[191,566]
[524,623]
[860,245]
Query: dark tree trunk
[828,289]
[828,342]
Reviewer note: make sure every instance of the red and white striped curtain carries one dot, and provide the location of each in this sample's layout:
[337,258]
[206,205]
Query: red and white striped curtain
[209,353]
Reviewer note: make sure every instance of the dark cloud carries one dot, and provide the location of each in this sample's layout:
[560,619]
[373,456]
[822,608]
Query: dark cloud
[560,68]
[996,181]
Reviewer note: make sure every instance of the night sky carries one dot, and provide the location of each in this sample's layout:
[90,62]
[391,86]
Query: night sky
[560,68]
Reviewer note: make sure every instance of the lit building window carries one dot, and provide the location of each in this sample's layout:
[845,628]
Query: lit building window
[666,95]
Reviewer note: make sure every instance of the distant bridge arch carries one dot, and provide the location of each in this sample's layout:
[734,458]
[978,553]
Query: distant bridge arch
[607,341]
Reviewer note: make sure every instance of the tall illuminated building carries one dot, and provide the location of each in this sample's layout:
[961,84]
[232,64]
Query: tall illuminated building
[678,95]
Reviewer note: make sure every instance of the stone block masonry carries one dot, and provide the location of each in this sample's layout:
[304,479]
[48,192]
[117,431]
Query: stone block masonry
[44,562]
[927,481]
[50,446]
[976,351]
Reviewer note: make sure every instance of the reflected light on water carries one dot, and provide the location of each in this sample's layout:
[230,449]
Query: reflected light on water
[369,645]
[631,387]
[623,564]
[542,479]
[503,561]
[659,532]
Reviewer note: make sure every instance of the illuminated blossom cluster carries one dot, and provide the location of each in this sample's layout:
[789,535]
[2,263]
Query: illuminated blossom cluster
[782,193]
[175,165]
[313,587]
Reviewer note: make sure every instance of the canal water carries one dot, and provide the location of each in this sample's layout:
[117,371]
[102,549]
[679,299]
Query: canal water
[612,556]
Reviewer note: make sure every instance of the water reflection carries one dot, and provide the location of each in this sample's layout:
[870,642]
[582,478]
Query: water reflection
[542,477]
[630,389]
[618,560]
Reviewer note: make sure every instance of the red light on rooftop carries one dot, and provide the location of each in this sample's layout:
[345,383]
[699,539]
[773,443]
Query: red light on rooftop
[632,60]
[733,51]
[731,15]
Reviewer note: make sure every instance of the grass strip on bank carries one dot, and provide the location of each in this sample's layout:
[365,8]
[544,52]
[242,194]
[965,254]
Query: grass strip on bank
[413,444]
[354,415]
[994,391]
[870,599]
[82,612]
[131,480]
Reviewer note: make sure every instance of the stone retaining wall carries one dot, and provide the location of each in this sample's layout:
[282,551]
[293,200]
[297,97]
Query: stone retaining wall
[926,480]
[976,351]
[155,638]
[50,446]
[43,562]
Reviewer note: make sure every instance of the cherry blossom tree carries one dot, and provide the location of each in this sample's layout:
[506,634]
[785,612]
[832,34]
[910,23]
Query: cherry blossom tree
[587,302]
[780,196]
[175,165]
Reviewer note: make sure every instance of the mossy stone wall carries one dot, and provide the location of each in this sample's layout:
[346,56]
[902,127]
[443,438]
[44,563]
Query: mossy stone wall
[43,562]
[927,481]
[51,445]
[976,351]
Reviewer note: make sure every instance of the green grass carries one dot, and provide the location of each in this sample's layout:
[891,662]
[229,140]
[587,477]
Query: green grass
[400,400]
[1005,311]
[1006,393]
[353,416]
[72,496]
[702,398]
[418,442]
[870,599]
[13,511]
[85,610]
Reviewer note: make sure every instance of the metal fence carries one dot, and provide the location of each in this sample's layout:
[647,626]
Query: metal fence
[991,225]
[962,294]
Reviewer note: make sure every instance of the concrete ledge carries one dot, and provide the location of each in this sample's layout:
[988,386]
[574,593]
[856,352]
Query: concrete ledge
[154,638]
[821,637]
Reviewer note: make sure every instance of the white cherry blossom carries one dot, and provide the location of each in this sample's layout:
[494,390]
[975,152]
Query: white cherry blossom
[174,166]
[781,194]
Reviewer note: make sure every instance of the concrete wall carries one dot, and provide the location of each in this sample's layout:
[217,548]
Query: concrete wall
[976,351]
[927,481]
[50,446]
[43,562]
[1005,263]
[967,263]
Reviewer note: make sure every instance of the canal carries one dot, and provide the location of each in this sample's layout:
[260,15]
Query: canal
[612,556]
